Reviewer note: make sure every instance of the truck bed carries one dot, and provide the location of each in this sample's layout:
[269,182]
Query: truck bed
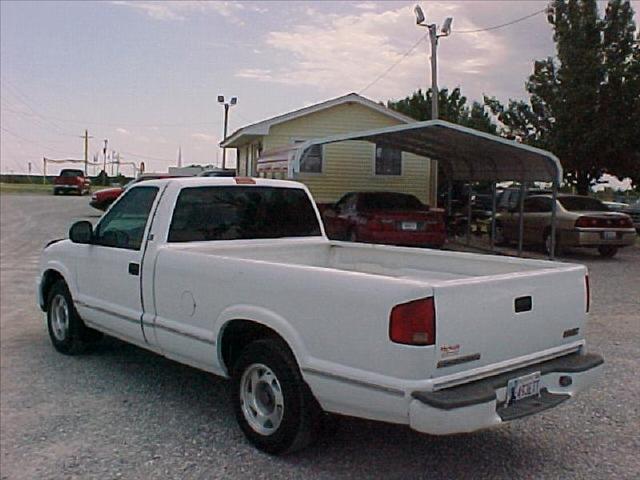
[479,324]
[426,265]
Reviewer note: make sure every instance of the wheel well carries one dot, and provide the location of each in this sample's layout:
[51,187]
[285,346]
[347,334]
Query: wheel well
[237,334]
[49,278]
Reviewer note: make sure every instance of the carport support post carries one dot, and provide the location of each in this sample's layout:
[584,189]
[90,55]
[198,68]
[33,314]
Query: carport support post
[469,217]
[493,215]
[554,201]
[521,218]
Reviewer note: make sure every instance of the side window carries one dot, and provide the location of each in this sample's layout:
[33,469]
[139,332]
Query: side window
[531,205]
[537,205]
[388,161]
[312,160]
[546,204]
[123,226]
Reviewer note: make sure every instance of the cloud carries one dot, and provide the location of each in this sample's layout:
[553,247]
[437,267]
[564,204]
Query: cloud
[254,73]
[180,10]
[204,137]
[123,131]
[340,53]
[366,6]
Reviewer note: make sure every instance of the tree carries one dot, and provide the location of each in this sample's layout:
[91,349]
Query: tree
[583,104]
[452,108]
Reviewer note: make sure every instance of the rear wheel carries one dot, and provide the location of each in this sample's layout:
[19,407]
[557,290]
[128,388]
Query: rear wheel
[607,251]
[273,405]
[68,333]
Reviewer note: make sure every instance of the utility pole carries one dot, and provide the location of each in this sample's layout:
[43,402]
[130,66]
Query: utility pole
[104,163]
[231,103]
[86,152]
[433,37]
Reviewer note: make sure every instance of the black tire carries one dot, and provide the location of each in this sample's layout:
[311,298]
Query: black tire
[607,251]
[55,191]
[300,414]
[69,335]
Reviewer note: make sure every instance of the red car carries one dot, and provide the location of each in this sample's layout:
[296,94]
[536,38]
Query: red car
[385,217]
[102,199]
[71,180]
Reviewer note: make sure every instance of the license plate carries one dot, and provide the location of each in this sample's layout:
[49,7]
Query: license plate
[523,387]
[609,235]
[409,225]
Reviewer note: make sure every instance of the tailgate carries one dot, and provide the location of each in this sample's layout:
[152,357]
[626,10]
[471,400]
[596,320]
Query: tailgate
[486,320]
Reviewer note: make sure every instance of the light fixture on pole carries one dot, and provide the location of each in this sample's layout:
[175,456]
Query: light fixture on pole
[421,21]
[230,103]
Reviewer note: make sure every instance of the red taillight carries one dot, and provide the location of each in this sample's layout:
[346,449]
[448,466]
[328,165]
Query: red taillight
[413,323]
[380,224]
[588,289]
[587,222]
[591,222]
[625,222]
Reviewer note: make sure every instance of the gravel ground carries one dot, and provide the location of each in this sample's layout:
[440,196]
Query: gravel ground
[125,413]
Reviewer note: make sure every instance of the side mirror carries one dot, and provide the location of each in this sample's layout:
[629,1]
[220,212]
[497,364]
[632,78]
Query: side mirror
[81,232]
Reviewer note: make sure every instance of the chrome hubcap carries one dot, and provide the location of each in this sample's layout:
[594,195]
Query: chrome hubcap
[59,317]
[261,399]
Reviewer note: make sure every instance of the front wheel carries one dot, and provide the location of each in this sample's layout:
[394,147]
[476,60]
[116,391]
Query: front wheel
[273,405]
[68,333]
[607,251]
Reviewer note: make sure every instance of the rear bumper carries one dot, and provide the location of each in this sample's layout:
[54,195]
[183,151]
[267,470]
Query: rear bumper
[594,238]
[482,404]
[75,188]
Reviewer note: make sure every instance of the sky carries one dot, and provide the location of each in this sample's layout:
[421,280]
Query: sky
[146,75]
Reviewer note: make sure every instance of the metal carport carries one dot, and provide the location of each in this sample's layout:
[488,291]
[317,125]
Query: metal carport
[465,154]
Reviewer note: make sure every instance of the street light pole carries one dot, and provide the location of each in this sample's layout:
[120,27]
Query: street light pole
[226,124]
[433,37]
[434,71]
[231,102]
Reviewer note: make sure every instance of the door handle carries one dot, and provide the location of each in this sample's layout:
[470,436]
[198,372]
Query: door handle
[134,268]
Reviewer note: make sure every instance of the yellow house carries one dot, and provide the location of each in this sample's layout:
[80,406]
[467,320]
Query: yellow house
[265,149]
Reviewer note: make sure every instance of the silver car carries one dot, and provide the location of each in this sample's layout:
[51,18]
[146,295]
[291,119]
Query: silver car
[580,222]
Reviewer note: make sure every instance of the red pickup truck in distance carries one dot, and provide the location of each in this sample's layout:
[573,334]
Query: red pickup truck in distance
[71,180]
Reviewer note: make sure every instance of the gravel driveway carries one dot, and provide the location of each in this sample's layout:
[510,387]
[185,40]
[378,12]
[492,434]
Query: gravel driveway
[122,412]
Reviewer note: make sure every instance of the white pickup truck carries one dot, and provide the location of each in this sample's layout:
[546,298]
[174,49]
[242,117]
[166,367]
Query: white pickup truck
[235,276]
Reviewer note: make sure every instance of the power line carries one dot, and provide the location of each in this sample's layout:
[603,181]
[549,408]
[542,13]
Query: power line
[33,142]
[395,64]
[147,157]
[21,97]
[495,27]
[24,99]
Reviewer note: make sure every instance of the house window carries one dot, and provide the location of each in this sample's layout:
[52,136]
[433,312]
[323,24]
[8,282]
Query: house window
[312,160]
[388,160]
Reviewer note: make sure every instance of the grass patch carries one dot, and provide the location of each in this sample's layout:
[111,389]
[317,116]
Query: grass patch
[46,189]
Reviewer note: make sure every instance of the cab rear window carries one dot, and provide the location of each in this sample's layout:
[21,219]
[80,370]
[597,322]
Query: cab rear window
[233,213]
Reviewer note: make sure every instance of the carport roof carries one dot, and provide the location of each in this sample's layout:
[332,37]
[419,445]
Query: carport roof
[464,153]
